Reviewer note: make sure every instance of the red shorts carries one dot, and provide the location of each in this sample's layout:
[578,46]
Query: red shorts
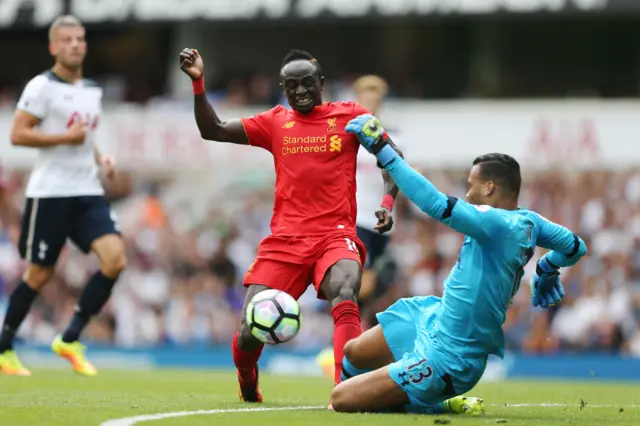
[291,264]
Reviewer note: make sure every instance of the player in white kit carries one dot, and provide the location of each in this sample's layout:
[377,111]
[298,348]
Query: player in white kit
[370,91]
[58,114]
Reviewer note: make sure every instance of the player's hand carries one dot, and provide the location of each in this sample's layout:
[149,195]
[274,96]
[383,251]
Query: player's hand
[108,164]
[546,288]
[372,136]
[385,220]
[191,63]
[77,133]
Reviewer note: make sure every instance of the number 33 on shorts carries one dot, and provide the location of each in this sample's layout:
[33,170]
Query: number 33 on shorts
[351,245]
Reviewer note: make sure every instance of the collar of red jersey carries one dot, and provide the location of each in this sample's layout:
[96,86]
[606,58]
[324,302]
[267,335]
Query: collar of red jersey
[317,111]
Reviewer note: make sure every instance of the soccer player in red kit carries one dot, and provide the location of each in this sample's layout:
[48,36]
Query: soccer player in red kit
[313,234]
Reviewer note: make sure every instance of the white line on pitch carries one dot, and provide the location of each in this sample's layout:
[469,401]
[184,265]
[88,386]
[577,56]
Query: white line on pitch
[554,404]
[129,421]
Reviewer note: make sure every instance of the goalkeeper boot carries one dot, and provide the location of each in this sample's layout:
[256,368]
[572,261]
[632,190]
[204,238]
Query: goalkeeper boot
[74,353]
[464,405]
[248,381]
[10,364]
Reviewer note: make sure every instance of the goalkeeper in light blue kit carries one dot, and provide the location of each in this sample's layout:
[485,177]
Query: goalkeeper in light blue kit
[428,351]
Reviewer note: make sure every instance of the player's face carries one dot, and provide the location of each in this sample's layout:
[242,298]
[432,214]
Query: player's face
[302,85]
[69,46]
[371,99]
[478,189]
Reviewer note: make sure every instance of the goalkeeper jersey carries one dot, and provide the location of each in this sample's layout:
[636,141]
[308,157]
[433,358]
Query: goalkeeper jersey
[497,245]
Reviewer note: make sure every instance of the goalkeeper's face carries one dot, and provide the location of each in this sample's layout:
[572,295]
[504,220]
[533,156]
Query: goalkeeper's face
[302,85]
[479,191]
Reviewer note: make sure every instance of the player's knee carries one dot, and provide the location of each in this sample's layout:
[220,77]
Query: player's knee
[340,399]
[345,283]
[37,276]
[352,352]
[112,266]
[346,290]
[111,252]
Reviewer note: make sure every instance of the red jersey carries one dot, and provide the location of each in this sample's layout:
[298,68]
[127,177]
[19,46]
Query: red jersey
[315,163]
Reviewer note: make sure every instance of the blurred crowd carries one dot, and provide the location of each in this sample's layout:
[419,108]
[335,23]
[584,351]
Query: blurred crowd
[234,92]
[183,284]
[260,89]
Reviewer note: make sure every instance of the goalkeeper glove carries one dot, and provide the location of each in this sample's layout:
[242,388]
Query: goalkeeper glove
[546,288]
[373,138]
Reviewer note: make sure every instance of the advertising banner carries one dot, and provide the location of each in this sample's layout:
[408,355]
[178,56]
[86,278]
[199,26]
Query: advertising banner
[39,13]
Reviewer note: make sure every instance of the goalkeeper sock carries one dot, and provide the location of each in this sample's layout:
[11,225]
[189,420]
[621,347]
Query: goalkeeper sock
[349,371]
[346,320]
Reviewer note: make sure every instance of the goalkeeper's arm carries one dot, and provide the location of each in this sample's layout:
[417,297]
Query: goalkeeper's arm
[479,222]
[566,247]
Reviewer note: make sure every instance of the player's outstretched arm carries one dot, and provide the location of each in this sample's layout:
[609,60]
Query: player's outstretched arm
[566,247]
[210,125]
[479,222]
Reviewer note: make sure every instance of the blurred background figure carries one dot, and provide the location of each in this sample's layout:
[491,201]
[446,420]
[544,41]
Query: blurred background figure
[454,86]
[370,91]
[57,115]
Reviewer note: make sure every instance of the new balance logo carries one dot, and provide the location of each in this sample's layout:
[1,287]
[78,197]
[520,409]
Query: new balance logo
[289,125]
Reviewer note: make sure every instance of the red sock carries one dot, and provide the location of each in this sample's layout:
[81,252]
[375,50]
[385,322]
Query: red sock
[346,320]
[245,361]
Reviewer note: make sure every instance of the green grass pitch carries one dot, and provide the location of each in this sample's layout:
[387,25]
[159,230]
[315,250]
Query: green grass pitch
[58,397]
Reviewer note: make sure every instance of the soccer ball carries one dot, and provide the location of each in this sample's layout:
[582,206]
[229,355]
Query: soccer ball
[273,317]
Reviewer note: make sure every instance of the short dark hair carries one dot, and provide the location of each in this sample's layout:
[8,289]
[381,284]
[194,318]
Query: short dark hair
[297,55]
[502,169]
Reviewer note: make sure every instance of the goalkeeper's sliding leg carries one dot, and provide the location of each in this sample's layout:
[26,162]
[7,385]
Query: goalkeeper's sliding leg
[393,368]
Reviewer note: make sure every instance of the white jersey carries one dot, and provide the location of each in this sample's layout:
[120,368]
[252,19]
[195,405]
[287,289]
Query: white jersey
[63,170]
[369,188]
